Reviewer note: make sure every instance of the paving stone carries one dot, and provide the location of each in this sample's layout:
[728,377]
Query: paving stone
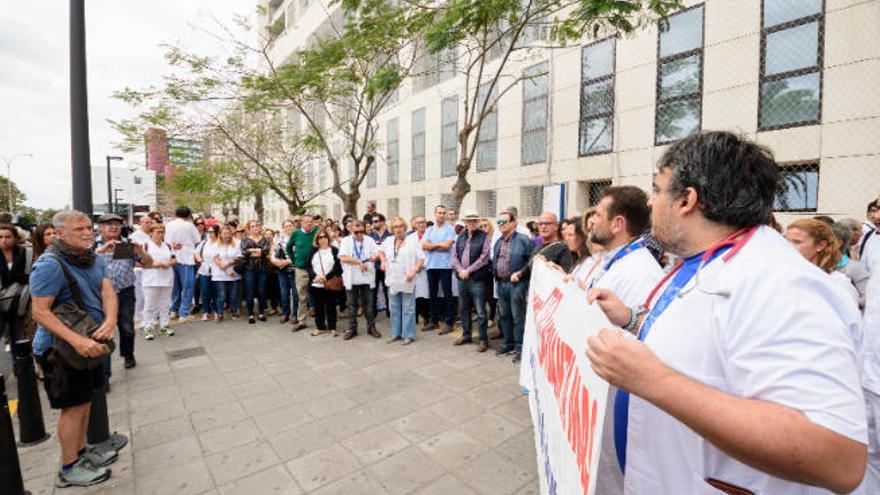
[322,467]
[239,462]
[329,404]
[445,485]
[217,416]
[228,436]
[453,448]
[266,402]
[375,444]
[158,412]
[457,409]
[207,399]
[520,449]
[490,428]
[420,425]
[491,475]
[275,480]
[190,478]
[405,471]
[516,410]
[359,482]
[167,454]
[305,439]
[161,432]
[282,419]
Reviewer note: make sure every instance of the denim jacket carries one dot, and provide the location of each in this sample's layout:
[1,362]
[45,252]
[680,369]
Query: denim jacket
[520,252]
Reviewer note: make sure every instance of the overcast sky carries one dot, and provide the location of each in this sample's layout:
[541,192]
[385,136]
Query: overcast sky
[122,38]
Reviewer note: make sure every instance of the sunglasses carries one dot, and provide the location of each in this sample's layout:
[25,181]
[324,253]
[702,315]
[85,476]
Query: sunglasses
[357,232]
[502,222]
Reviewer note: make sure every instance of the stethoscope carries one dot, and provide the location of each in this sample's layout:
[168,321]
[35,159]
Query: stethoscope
[734,242]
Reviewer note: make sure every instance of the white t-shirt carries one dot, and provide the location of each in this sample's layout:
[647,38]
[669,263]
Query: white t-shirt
[631,277]
[185,233]
[783,335]
[871,337]
[846,283]
[142,238]
[421,280]
[204,248]
[322,264]
[352,274]
[225,252]
[871,253]
[399,266]
[158,277]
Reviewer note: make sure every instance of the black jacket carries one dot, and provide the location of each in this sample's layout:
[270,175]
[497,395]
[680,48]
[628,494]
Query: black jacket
[337,266]
[17,273]
[555,252]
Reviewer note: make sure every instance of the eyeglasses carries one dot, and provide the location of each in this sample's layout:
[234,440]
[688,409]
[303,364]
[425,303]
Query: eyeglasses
[502,222]
[357,232]
[322,237]
[546,224]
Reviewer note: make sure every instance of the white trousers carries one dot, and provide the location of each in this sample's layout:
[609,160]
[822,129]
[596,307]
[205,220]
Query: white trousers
[871,483]
[157,305]
[138,295]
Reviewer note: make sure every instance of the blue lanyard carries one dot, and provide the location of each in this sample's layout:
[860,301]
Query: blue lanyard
[358,251]
[685,271]
[633,245]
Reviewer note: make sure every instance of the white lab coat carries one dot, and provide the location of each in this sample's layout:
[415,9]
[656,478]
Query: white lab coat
[421,279]
[784,335]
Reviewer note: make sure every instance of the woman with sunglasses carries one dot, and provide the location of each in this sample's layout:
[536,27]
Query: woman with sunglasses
[223,276]
[322,265]
[255,248]
[203,255]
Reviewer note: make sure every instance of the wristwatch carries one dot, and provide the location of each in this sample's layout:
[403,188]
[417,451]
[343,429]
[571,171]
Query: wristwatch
[634,314]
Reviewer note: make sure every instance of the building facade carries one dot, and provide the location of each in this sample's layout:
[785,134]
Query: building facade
[801,77]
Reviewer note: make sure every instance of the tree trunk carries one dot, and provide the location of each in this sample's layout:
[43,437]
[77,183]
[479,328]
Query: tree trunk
[293,208]
[236,210]
[258,205]
[462,187]
[349,204]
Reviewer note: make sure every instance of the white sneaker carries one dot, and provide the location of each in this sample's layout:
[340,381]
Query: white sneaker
[148,334]
[173,315]
[185,319]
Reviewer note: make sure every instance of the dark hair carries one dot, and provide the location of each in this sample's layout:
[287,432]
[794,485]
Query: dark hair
[824,219]
[735,180]
[37,238]
[510,213]
[11,228]
[378,216]
[631,203]
[584,252]
[872,205]
[182,212]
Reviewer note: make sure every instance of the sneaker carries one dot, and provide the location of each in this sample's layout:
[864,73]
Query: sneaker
[251,320]
[261,317]
[394,339]
[517,358]
[82,473]
[430,326]
[130,362]
[167,331]
[206,317]
[185,319]
[407,341]
[446,329]
[100,458]
[173,315]
[148,334]
[503,351]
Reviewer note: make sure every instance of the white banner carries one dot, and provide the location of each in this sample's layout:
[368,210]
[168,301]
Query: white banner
[566,397]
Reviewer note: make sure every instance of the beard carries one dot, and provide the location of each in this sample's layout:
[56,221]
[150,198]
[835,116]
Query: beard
[600,238]
[669,236]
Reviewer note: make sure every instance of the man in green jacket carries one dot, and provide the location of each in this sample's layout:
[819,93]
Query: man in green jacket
[297,248]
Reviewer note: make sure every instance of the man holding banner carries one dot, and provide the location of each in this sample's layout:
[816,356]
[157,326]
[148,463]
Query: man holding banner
[628,270]
[744,376]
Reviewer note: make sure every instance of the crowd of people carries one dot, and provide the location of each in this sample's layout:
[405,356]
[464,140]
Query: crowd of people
[758,373]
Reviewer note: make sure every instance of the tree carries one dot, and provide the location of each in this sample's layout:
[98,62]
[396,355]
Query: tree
[247,151]
[488,34]
[340,85]
[18,197]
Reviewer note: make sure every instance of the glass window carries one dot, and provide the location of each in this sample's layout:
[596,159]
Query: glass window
[486,203]
[597,98]
[798,188]
[780,11]
[418,206]
[487,145]
[791,64]
[534,114]
[418,145]
[680,77]
[532,200]
[448,136]
[595,190]
[392,150]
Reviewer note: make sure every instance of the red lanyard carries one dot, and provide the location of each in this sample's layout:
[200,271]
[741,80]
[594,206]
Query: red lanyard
[734,242]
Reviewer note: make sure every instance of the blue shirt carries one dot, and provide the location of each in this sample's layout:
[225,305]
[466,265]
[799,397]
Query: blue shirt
[435,260]
[48,280]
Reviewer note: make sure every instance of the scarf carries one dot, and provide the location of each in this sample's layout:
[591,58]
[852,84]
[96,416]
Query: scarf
[77,258]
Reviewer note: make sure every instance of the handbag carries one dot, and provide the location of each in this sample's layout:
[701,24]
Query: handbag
[9,297]
[333,283]
[74,315]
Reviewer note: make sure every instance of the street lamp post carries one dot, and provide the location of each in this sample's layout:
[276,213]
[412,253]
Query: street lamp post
[9,175]
[116,199]
[110,183]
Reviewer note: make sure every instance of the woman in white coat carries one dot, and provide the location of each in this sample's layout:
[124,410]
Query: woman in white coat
[157,281]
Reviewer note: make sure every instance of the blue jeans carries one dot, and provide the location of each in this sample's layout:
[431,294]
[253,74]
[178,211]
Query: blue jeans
[182,291]
[224,291]
[403,314]
[441,307]
[125,321]
[512,312]
[287,283]
[255,286]
[206,291]
[472,295]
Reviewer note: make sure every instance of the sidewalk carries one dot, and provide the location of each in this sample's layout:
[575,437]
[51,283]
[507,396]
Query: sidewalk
[255,409]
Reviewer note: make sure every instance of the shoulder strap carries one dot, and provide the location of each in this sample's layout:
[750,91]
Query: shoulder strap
[865,242]
[74,286]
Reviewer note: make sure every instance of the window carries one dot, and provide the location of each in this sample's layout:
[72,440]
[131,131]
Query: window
[448,136]
[596,133]
[138,180]
[532,200]
[534,114]
[486,204]
[393,208]
[798,188]
[487,145]
[418,206]
[679,76]
[595,190]
[434,68]
[791,63]
[418,145]
[392,150]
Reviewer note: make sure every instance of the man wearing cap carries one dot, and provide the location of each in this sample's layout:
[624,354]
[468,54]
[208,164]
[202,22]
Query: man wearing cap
[470,263]
[120,271]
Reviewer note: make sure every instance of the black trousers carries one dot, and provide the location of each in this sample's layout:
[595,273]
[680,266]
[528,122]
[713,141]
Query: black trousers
[359,297]
[325,307]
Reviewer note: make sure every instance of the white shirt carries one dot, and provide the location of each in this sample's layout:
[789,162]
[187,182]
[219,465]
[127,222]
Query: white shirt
[158,277]
[871,337]
[421,280]
[185,233]
[204,248]
[225,252]
[784,335]
[871,253]
[631,277]
[846,283]
[322,264]
[352,274]
[142,238]
[399,266]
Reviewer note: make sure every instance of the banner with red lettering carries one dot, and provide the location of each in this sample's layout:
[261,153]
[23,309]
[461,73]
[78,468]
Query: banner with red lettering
[566,397]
